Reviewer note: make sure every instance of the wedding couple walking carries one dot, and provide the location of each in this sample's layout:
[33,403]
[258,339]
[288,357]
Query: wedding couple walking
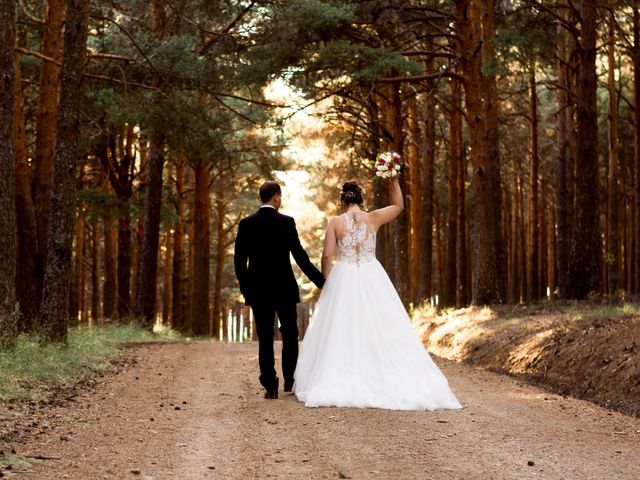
[360,349]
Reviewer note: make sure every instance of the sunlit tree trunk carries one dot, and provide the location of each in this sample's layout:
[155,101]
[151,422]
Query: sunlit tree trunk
[412,166]
[563,161]
[614,255]
[510,207]
[552,261]
[462,291]
[179,282]
[522,241]
[427,160]
[29,268]
[636,146]
[191,254]
[76,306]
[46,114]
[221,241]
[55,300]
[585,252]
[398,248]
[110,262]
[476,27]
[96,269]
[533,252]
[136,253]
[166,279]
[202,224]
[455,197]
[437,238]
[542,239]
[8,319]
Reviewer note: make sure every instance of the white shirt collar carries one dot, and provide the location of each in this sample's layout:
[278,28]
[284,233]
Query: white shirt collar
[268,206]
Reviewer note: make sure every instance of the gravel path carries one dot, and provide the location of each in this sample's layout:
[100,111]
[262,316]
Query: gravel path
[195,411]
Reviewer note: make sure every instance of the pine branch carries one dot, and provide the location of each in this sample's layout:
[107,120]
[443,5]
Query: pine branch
[29,15]
[39,55]
[227,29]
[123,82]
[419,78]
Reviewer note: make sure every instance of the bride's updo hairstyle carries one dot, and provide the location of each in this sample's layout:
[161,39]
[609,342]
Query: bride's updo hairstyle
[351,193]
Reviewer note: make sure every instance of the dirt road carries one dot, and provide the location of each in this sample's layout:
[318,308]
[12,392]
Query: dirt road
[195,411]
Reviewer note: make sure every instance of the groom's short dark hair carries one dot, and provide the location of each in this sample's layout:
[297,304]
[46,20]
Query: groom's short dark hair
[268,190]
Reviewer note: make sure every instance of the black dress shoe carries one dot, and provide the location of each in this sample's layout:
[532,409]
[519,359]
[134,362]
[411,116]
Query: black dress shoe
[271,394]
[288,387]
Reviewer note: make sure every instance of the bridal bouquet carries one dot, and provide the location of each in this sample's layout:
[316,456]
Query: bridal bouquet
[388,164]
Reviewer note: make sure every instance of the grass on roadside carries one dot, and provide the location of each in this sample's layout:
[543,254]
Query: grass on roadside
[30,370]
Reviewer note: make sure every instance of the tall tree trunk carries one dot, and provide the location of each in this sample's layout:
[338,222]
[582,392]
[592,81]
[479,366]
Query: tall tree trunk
[427,160]
[95,273]
[202,221]
[562,162]
[109,305]
[476,25]
[191,261]
[146,284]
[614,256]
[399,269]
[412,166]
[220,256]
[585,252]
[457,149]
[533,292]
[512,259]
[542,241]
[449,292]
[76,306]
[636,144]
[136,256]
[166,279]
[29,269]
[552,263]
[146,301]
[119,167]
[46,125]
[179,282]
[522,242]
[437,238]
[55,300]
[8,247]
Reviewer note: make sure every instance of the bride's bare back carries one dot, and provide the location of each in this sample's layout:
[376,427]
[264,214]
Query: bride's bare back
[338,226]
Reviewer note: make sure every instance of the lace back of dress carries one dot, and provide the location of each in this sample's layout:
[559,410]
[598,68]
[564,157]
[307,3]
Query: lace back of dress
[358,243]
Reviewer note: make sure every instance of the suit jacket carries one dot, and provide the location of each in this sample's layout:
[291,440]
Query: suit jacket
[265,240]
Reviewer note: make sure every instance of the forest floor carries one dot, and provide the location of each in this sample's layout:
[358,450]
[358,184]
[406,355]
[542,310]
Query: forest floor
[585,350]
[195,410]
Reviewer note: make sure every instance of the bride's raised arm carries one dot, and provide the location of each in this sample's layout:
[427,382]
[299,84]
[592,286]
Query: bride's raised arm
[330,240]
[379,217]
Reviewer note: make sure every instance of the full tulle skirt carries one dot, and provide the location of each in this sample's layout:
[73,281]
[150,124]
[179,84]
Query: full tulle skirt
[360,349]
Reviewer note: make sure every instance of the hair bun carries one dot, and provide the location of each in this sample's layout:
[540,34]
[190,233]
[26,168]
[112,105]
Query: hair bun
[351,193]
[350,187]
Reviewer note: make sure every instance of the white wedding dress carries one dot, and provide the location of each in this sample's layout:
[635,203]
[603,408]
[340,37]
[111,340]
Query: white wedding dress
[360,349]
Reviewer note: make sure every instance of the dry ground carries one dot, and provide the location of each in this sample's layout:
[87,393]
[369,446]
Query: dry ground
[195,411]
[579,349]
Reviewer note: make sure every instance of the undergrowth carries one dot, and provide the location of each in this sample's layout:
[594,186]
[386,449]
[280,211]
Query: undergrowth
[31,369]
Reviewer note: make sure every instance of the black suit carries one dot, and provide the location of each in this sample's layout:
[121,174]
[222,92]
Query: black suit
[265,240]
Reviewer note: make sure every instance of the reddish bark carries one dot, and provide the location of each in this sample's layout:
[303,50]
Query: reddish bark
[202,224]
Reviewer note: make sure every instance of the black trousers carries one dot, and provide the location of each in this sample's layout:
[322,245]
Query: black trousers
[265,317]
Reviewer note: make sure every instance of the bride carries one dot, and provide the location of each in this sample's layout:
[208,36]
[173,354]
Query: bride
[360,349]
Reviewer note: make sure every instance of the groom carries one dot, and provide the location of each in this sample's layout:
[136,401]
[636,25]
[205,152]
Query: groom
[268,284]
